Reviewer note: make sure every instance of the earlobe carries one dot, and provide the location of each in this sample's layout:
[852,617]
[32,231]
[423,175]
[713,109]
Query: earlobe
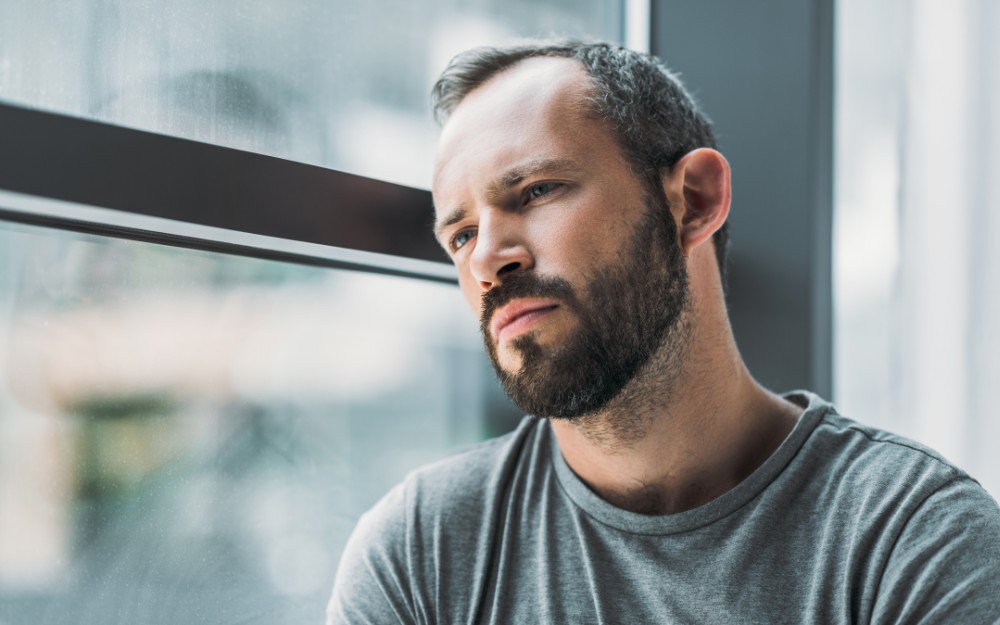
[702,180]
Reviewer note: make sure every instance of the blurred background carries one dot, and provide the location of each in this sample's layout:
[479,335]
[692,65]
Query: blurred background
[188,436]
[916,219]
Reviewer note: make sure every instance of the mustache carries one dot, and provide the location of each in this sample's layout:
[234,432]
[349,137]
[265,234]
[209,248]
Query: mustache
[524,284]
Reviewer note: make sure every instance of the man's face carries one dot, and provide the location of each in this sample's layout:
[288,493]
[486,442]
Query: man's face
[574,270]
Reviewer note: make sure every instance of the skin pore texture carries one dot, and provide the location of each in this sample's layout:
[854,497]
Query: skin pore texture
[571,265]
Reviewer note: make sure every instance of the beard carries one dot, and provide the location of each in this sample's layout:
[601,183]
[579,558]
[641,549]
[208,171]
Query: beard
[629,311]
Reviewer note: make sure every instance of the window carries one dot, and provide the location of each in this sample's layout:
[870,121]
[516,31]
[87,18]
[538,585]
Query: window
[213,360]
[916,279]
[185,433]
[340,84]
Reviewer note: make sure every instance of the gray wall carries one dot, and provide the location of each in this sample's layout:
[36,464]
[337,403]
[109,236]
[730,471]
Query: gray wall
[763,71]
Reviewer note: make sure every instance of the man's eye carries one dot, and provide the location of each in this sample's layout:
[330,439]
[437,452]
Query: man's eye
[538,190]
[461,238]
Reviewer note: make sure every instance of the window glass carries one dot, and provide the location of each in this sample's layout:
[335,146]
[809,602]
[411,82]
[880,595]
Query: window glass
[342,84]
[917,289]
[189,437]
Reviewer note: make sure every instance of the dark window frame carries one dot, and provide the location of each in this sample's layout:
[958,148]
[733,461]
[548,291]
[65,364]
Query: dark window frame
[102,179]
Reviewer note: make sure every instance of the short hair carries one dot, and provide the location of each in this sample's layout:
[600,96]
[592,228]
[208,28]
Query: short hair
[653,117]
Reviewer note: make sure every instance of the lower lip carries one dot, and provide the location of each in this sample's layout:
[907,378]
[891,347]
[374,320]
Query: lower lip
[523,323]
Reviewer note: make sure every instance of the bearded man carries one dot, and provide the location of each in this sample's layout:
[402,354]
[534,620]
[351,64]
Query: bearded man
[580,195]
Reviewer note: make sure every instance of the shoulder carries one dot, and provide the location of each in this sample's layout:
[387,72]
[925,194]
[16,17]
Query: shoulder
[870,459]
[454,486]
[930,530]
[915,479]
[870,482]
[463,480]
[392,563]
[944,566]
[879,470]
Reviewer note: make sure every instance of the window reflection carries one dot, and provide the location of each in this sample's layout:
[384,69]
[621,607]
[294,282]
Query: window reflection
[188,437]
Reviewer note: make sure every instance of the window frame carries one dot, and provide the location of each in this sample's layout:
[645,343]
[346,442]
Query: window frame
[67,173]
[72,174]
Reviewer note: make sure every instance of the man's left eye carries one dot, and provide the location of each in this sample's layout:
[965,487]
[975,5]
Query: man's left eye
[538,190]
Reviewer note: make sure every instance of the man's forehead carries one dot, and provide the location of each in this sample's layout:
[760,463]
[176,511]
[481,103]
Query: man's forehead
[525,91]
[548,69]
[526,82]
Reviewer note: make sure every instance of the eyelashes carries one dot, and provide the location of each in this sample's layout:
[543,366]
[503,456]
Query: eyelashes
[458,240]
[541,189]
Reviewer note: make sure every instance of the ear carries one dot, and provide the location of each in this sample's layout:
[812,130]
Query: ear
[699,190]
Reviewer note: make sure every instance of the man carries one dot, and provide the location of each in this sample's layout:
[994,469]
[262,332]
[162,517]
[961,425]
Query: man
[580,196]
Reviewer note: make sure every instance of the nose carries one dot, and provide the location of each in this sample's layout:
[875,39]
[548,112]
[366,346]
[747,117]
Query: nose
[500,250]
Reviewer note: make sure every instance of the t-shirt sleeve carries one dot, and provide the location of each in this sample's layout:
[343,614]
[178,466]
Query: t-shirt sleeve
[373,584]
[945,565]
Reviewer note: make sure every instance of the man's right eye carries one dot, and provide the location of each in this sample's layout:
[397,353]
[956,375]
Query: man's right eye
[461,238]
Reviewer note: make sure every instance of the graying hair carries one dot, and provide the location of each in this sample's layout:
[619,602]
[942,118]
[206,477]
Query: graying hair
[654,119]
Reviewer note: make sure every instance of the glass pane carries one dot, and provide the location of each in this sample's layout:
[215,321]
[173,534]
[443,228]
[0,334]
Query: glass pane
[917,289]
[341,84]
[189,437]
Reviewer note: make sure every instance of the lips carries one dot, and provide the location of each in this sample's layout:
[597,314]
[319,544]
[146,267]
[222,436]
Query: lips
[508,315]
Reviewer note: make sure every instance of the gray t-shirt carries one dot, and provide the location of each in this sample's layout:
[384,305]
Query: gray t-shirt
[842,524]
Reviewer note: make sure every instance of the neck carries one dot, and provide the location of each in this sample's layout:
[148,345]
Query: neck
[679,435]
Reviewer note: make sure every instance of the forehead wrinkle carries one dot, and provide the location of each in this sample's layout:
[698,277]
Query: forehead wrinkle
[517,174]
[508,180]
[577,106]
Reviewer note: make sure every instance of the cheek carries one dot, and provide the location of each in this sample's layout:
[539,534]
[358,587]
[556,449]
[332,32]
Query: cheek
[586,237]
[580,251]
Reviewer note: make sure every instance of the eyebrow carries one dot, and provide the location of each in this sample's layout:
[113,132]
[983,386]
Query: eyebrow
[453,217]
[506,181]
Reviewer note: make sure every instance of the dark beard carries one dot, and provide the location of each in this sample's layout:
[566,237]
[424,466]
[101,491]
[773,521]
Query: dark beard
[627,314]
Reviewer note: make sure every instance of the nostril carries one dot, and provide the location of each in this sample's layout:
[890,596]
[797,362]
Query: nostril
[508,268]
